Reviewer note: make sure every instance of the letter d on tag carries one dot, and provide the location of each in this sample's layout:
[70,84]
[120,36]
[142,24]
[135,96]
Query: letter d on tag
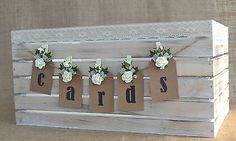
[131,95]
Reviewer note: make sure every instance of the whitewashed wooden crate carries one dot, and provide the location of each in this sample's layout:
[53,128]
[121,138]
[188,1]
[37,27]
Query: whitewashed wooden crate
[200,49]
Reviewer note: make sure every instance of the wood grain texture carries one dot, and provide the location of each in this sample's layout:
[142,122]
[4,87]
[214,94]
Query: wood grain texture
[27,14]
[122,123]
[191,87]
[185,66]
[172,110]
[194,40]
[193,45]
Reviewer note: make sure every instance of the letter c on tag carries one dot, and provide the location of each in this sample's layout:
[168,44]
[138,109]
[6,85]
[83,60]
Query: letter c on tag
[40,77]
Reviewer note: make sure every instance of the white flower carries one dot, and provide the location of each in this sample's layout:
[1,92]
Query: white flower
[97,79]
[127,76]
[167,55]
[67,76]
[68,62]
[159,45]
[128,59]
[41,50]
[45,46]
[98,63]
[46,59]
[39,63]
[161,62]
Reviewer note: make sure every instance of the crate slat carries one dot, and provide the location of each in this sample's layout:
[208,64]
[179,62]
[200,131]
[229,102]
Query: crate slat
[120,123]
[195,87]
[185,67]
[200,49]
[172,110]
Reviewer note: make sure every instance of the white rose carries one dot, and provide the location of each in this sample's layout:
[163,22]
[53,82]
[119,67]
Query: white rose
[159,45]
[41,50]
[68,62]
[127,76]
[67,76]
[98,63]
[39,63]
[128,59]
[168,55]
[97,79]
[161,62]
[46,58]
[45,46]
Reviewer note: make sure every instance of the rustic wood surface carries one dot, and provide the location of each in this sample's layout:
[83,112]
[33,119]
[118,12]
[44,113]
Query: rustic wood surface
[27,14]
[96,42]
[203,111]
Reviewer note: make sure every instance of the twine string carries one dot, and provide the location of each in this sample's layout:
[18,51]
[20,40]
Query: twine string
[177,52]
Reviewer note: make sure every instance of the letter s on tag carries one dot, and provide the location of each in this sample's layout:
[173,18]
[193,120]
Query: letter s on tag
[163,84]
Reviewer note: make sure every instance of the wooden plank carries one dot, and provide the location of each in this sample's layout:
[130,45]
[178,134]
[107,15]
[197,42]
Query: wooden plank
[220,38]
[181,110]
[173,32]
[107,122]
[185,66]
[193,87]
[200,49]
[172,110]
[220,102]
[179,47]
[219,121]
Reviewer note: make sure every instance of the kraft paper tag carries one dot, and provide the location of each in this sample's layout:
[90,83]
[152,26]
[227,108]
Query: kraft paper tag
[101,97]
[131,95]
[41,79]
[163,83]
[70,93]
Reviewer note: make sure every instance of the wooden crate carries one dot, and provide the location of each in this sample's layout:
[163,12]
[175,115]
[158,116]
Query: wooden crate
[199,47]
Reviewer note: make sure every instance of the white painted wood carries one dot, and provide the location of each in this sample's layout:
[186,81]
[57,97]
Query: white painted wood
[219,121]
[117,49]
[173,32]
[192,87]
[220,103]
[172,110]
[201,51]
[185,66]
[122,123]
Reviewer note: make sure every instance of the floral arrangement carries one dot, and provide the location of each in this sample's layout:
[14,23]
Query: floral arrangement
[42,56]
[128,71]
[160,56]
[68,70]
[97,73]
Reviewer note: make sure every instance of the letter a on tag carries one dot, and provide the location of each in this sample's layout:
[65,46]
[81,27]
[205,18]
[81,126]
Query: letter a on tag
[41,79]
[163,82]
[101,97]
[131,95]
[70,93]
